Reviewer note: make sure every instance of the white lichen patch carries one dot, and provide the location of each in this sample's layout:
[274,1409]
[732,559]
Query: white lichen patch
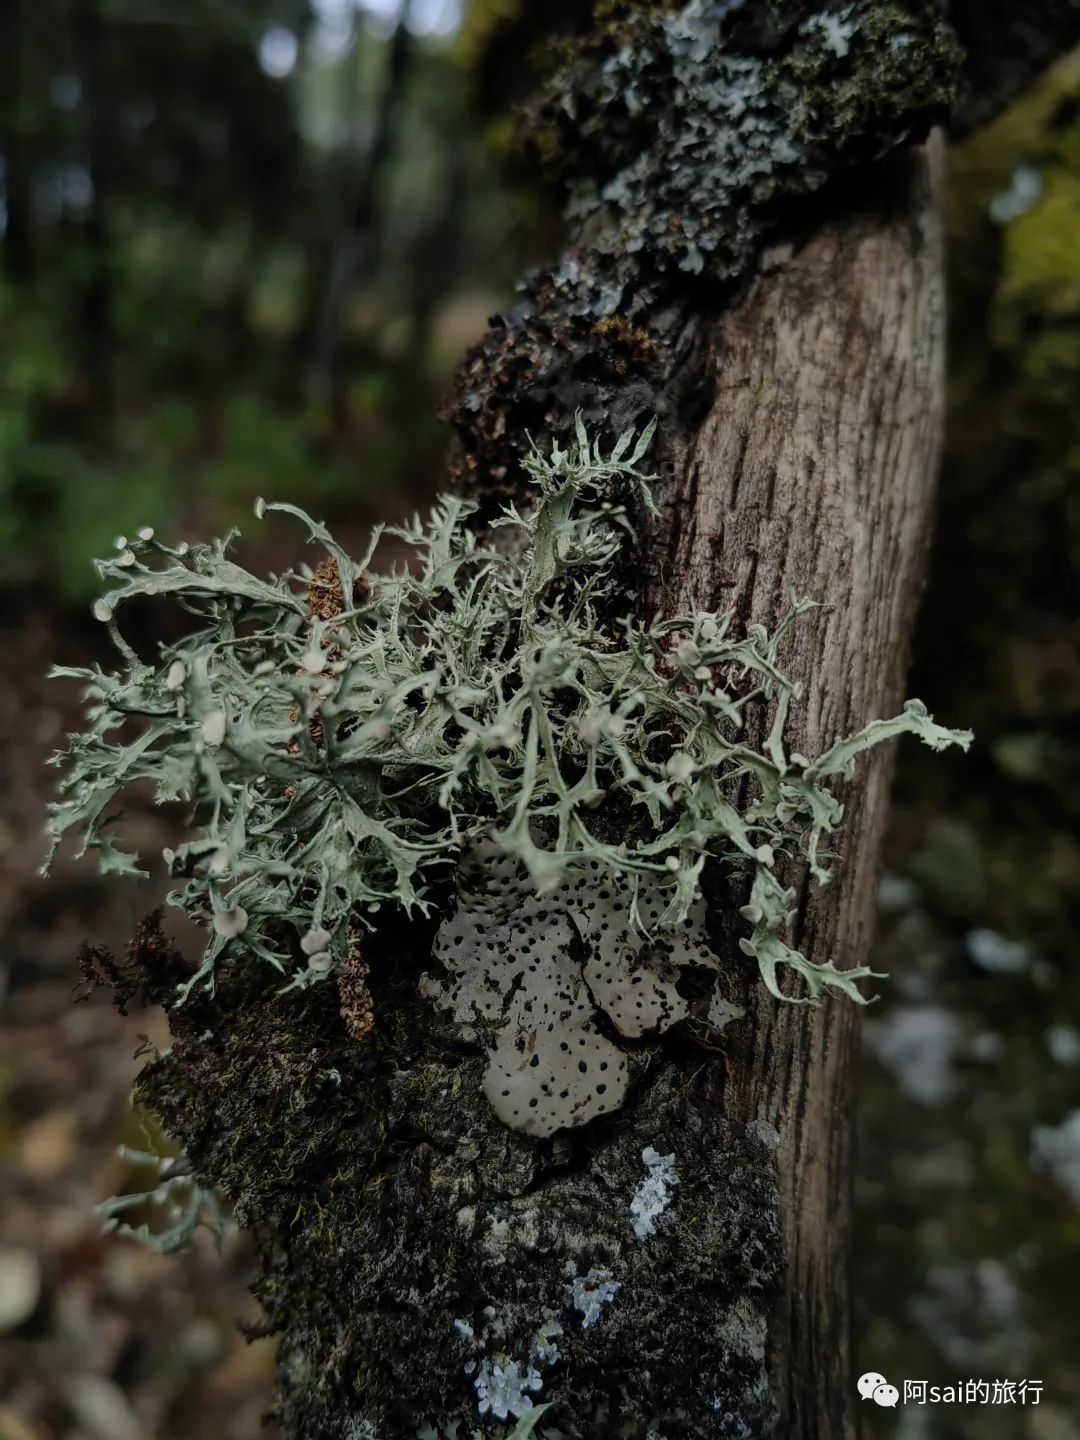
[508,954]
[1055,1150]
[837,32]
[502,1388]
[634,976]
[637,999]
[590,1293]
[765,1134]
[539,968]
[723,1012]
[654,1194]
[743,1330]
[543,1079]
[502,967]
[544,1349]
[230,922]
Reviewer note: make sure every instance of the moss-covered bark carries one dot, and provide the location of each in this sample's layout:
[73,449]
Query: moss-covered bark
[688,139]
[407,1235]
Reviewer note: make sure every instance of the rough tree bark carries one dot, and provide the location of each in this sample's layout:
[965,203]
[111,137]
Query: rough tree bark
[813,474]
[406,1236]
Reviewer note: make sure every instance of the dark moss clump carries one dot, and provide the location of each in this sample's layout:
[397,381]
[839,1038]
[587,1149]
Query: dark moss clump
[406,1237]
[572,345]
[538,367]
[147,975]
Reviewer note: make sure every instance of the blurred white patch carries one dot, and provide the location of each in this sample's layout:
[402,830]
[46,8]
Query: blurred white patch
[897,892]
[65,91]
[1063,1042]
[653,1195]
[1023,191]
[987,1046]
[917,1044]
[993,953]
[278,51]
[1055,1150]
[426,17]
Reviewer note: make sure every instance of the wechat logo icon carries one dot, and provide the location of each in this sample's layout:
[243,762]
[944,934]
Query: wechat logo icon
[873,1386]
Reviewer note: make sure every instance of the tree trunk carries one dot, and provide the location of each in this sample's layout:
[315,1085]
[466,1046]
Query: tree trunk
[356,242]
[96,313]
[813,474]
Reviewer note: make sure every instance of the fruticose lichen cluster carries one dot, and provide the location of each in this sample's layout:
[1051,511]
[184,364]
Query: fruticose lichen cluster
[486,720]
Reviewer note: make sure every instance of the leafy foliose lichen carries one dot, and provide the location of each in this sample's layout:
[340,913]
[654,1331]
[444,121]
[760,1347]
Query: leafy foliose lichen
[343,739]
[682,131]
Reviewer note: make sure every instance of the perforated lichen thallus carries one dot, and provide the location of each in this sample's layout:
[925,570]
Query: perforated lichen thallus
[488,725]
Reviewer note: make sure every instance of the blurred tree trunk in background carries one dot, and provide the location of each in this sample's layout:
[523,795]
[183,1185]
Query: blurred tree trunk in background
[90,35]
[356,243]
[435,255]
[756,260]
[18,237]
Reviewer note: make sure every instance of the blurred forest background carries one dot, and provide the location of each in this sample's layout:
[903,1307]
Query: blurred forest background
[242,244]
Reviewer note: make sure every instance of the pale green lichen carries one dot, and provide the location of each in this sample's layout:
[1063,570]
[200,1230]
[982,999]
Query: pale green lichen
[336,763]
[167,1215]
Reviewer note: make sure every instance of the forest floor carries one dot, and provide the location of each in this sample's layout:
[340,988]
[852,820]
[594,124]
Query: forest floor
[100,1338]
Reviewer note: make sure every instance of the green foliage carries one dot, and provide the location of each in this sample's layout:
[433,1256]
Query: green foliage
[177,220]
[338,758]
[173,449]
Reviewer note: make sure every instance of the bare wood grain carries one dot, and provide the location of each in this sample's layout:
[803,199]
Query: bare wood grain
[814,474]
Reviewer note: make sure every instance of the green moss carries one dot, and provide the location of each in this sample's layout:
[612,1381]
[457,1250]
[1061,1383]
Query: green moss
[622,334]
